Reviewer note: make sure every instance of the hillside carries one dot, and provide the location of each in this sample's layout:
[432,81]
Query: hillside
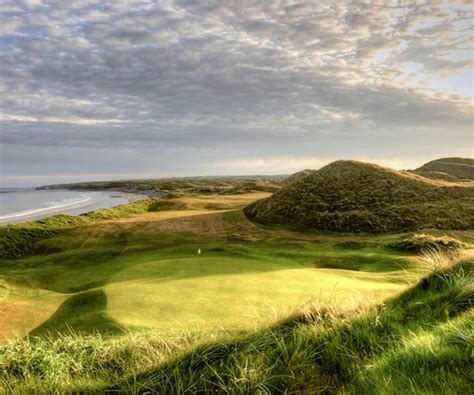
[351,196]
[143,258]
[448,169]
[297,176]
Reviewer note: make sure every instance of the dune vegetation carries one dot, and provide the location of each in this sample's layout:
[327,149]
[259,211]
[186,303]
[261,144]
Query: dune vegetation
[422,243]
[187,295]
[351,196]
[448,169]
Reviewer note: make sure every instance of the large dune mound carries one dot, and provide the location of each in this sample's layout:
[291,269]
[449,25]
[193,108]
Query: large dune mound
[351,196]
[448,169]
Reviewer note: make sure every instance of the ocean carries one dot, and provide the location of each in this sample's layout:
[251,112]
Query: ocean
[28,204]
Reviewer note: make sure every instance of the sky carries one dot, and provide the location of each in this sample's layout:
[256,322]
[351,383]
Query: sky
[97,90]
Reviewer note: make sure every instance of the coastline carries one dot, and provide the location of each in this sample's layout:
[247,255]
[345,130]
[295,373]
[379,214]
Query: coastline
[74,208]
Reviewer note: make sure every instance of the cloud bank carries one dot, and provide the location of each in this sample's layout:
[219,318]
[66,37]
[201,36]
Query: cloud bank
[188,87]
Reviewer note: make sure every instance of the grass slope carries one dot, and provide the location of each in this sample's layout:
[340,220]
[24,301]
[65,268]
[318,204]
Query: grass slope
[350,196]
[448,169]
[417,342]
[297,176]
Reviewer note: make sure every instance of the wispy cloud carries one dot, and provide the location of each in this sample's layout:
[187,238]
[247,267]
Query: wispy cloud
[231,80]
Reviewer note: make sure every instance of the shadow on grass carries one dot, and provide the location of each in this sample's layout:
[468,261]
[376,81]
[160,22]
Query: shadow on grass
[162,257]
[167,258]
[114,255]
[83,313]
[369,264]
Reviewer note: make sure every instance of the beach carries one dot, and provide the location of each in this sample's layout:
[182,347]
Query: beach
[23,205]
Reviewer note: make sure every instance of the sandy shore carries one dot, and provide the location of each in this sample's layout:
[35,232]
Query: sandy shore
[73,209]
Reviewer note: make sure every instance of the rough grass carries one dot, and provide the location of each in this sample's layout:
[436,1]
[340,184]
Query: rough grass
[419,243]
[448,169]
[418,342]
[19,240]
[349,196]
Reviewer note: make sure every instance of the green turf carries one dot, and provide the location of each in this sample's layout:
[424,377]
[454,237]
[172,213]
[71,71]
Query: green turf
[159,280]
[124,300]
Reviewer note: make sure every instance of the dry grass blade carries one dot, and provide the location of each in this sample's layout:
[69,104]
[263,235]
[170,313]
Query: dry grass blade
[435,259]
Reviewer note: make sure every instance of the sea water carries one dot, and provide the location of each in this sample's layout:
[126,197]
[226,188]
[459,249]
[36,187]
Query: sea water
[28,204]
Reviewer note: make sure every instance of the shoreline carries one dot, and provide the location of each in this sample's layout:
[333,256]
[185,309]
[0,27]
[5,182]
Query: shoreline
[37,214]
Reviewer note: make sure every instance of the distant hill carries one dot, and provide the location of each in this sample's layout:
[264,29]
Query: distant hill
[207,185]
[351,196]
[448,169]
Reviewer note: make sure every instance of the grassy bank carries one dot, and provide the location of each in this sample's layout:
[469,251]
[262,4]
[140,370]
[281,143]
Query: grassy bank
[358,197]
[222,185]
[417,342]
[18,240]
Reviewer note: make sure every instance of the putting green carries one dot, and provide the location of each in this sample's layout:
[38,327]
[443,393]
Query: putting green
[196,293]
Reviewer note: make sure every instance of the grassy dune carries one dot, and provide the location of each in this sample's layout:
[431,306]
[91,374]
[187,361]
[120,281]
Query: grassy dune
[121,299]
[351,196]
[449,169]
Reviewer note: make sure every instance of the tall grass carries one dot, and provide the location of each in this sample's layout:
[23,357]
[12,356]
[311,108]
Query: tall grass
[436,259]
[356,197]
[70,361]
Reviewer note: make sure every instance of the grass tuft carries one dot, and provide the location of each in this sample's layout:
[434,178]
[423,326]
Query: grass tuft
[420,243]
[435,259]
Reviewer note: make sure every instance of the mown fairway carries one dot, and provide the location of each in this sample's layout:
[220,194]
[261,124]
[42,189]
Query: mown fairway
[144,271]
